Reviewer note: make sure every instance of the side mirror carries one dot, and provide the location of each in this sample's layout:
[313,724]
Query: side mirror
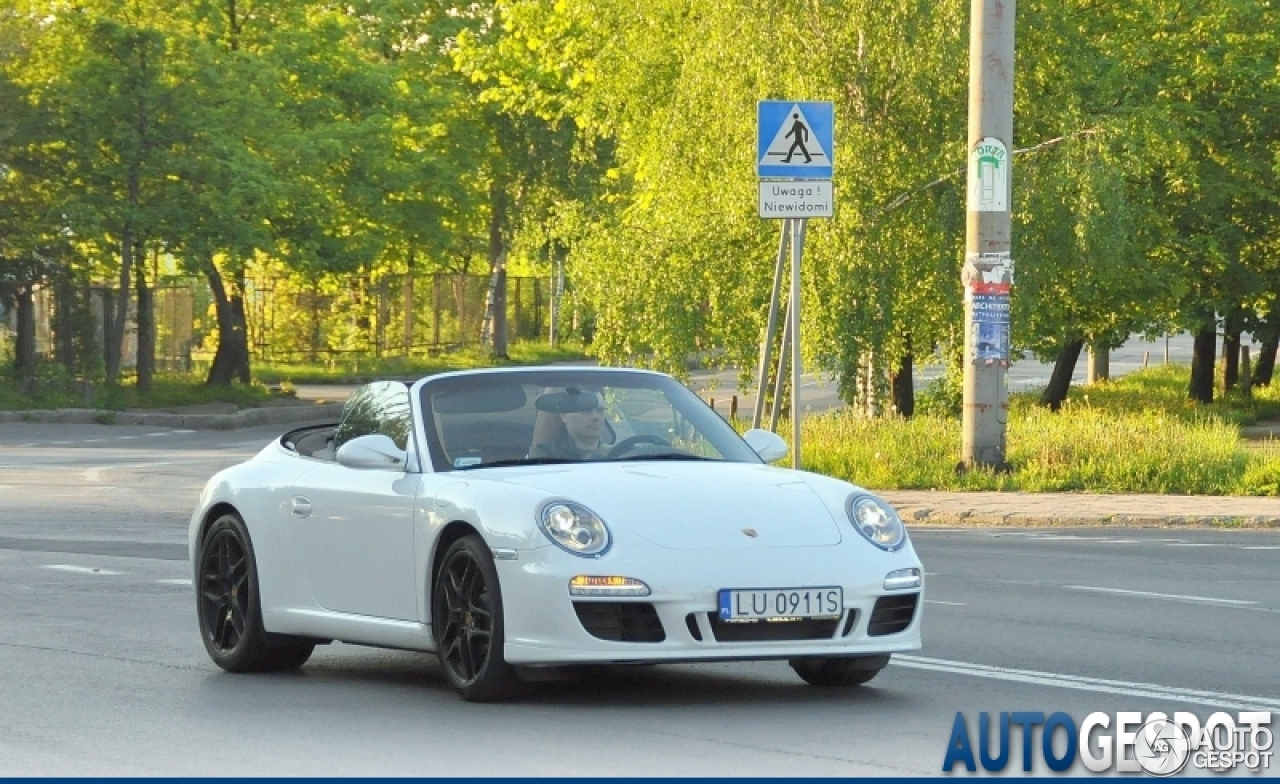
[768,445]
[372,451]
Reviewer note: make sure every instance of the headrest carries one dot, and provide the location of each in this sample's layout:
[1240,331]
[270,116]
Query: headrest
[568,401]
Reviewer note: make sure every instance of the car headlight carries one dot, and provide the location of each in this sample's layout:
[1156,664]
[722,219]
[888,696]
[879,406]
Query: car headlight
[574,528]
[877,522]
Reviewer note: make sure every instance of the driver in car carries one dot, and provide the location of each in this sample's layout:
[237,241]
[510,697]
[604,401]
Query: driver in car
[582,413]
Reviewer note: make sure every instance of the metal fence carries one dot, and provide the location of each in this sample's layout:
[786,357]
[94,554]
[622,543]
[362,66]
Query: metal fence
[295,320]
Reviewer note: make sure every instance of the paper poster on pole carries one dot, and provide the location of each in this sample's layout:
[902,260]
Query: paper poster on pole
[987,273]
[990,327]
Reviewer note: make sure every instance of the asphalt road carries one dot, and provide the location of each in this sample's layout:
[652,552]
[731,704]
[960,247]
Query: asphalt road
[102,671]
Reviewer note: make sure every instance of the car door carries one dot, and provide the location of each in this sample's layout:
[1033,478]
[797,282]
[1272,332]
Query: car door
[353,527]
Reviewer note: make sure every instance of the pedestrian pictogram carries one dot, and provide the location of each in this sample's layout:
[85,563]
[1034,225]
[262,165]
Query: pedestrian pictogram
[794,139]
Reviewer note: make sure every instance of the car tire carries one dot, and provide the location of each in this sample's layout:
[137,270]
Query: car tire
[839,673]
[467,621]
[229,608]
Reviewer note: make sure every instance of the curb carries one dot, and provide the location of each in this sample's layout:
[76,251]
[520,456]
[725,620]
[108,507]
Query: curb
[250,417]
[926,518]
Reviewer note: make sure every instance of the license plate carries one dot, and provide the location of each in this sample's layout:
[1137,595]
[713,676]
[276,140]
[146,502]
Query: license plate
[750,604]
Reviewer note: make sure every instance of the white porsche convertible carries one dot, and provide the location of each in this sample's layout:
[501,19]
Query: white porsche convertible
[523,520]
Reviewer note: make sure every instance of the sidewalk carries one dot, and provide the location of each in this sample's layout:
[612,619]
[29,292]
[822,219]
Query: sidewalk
[211,416]
[925,507]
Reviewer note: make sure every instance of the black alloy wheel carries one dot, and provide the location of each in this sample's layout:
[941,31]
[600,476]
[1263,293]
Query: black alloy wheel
[839,673]
[228,606]
[466,613]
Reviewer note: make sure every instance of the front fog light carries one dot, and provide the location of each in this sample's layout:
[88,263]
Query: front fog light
[592,585]
[574,528]
[902,579]
[876,521]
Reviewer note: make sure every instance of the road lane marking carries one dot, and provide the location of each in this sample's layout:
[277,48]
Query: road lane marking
[94,475]
[179,581]
[1274,547]
[1153,595]
[1198,544]
[100,440]
[1072,538]
[1079,683]
[80,569]
[949,604]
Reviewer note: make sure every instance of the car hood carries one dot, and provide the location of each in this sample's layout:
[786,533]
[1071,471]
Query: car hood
[694,505]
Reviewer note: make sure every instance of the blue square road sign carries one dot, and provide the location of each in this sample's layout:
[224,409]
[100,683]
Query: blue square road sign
[795,139]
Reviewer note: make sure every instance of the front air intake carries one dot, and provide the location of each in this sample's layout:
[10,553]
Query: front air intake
[772,631]
[892,614]
[620,621]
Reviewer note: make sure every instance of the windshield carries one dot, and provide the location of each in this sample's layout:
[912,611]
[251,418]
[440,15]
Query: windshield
[566,416]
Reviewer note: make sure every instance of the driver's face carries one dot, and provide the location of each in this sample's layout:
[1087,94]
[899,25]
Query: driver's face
[585,426]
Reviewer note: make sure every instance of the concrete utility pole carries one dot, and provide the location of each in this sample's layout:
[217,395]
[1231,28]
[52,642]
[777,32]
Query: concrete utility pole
[988,270]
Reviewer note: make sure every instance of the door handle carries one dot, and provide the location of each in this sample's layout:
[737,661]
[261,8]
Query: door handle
[301,507]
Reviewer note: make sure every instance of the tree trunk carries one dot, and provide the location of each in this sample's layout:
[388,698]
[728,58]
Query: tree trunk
[1099,365]
[231,360]
[1060,381]
[313,335]
[1230,355]
[146,333]
[1202,356]
[1266,360]
[1269,336]
[25,339]
[904,393]
[498,268]
[64,329]
[113,341]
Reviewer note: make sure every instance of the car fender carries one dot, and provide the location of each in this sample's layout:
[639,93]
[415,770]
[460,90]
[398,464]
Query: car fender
[257,490]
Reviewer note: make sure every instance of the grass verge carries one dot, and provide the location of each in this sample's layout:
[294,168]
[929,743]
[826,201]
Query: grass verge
[1136,435]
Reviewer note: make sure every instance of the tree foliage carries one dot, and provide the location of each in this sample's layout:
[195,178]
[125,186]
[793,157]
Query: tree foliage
[388,136]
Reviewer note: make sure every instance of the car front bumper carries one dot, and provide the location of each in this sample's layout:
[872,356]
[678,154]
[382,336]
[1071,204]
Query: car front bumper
[542,626]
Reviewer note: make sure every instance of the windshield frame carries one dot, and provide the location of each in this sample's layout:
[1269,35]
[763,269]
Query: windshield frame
[701,416]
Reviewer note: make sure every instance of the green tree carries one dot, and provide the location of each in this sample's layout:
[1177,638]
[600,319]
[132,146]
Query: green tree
[524,63]
[1210,66]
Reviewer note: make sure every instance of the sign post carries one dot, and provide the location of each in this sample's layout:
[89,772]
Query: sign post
[988,267]
[795,154]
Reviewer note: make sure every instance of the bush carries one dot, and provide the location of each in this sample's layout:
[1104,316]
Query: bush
[943,396]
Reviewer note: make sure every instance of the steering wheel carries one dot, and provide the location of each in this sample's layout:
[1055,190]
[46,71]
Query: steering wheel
[627,444]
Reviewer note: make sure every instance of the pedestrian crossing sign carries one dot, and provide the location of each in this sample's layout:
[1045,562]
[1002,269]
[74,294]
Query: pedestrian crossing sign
[795,139]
